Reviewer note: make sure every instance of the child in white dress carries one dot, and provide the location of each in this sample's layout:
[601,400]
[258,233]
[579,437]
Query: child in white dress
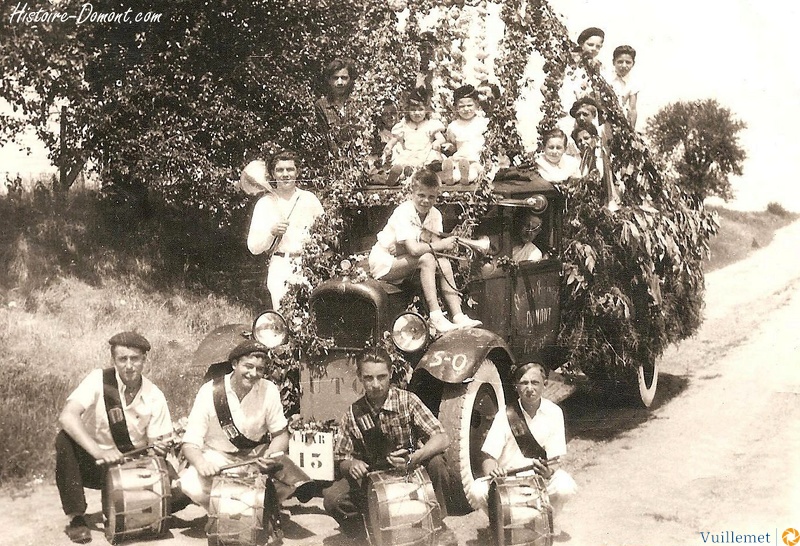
[465,136]
[553,164]
[416,140]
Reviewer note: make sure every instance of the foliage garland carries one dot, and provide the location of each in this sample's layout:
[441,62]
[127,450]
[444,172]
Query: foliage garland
[633,280]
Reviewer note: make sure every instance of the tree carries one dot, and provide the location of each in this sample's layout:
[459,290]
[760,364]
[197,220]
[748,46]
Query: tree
[699,141]
[179,105]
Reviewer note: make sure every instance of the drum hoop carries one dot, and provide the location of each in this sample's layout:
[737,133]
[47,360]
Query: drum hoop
[115,526]
[253,481]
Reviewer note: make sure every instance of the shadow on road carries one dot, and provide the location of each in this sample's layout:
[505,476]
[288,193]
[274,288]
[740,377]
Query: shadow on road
[589,415]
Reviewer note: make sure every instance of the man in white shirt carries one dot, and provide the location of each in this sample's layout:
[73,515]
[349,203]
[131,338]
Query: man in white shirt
[111,412]
[281,223]
[542,445]
[237,417]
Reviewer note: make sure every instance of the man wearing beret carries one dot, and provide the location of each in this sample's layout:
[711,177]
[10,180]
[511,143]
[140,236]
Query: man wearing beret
[112,411]
[529,432]
[237,417]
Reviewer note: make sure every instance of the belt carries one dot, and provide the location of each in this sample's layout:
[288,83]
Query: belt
[288,254]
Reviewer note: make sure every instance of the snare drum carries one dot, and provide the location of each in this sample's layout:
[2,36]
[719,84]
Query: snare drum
[236,511]
[520,512]
[136,499]
[401,509]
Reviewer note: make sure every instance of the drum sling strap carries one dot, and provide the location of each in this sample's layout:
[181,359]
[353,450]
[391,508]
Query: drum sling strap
[235,436]
[376,445]
[116,416]
[530,448]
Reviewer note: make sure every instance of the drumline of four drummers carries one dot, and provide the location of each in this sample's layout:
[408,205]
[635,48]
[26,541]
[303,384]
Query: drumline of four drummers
[238,418]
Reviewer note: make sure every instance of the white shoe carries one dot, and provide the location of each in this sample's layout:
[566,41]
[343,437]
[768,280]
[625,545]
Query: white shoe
[441,323]
[463,321]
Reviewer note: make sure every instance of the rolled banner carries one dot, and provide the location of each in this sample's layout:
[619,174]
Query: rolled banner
[253,180]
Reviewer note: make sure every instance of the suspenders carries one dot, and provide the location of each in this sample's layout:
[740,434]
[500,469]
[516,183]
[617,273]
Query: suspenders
[235,436]
[114,412]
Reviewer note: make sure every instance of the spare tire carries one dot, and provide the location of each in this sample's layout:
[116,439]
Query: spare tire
[468,410]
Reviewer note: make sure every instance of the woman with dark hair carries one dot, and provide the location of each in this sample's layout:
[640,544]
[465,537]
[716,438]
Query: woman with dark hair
[331,110]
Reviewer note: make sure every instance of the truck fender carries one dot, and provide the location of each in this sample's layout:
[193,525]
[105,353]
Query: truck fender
[454,357]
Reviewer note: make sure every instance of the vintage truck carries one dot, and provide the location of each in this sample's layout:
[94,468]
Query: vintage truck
[462,375]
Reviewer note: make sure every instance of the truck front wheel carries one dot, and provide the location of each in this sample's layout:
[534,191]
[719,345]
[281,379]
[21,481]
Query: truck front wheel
[467,410]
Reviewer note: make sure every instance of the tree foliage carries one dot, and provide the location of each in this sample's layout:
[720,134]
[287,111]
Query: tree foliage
[699,140]
[180,106]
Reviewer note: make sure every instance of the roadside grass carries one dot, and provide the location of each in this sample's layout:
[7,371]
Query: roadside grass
[73,273]
[742,232]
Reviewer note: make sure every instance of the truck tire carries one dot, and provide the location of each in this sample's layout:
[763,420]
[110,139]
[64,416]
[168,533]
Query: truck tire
[468,409]
[647,382]
[631,386]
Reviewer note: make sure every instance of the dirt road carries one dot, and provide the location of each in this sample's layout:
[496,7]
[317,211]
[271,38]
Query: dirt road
[717,456]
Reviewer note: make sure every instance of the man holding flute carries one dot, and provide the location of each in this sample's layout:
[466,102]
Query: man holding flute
[112,412]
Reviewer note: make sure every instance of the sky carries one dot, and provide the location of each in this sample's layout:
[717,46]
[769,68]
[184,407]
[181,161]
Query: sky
[741,52]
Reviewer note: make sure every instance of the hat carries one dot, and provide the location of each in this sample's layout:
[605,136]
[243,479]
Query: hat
[419,94]
[463,92]
[583,101]
[130,339]
[253,179]
[589,32]
[247,347]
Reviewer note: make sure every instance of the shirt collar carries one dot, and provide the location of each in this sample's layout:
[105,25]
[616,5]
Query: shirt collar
[389,404]
[528,415]
[123,388]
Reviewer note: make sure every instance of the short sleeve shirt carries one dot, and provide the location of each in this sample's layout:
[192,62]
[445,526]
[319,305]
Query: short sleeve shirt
[468,137]
[547,426]
[405,225]
[147,416]
[404,420]
[259,412]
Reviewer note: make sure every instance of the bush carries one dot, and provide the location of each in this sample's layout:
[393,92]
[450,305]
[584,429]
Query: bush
[776,209]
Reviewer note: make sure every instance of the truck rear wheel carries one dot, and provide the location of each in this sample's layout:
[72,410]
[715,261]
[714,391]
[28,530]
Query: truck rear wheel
[634,385]
[647,382]
[468,409]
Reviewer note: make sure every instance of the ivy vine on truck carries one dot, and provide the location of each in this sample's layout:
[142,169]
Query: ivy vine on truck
[462,375]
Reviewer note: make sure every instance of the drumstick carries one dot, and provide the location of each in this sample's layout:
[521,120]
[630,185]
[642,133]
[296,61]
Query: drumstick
[131,453]
[250,461]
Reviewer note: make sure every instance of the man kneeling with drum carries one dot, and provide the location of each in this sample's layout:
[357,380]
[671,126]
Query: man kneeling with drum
[529,435]
[112,412]
[237,421]
[388,429]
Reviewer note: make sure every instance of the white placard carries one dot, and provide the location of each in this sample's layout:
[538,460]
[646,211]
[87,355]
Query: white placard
[313,453]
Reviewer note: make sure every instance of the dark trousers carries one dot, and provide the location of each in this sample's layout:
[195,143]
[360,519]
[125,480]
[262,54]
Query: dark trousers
[345,499]
[75,469]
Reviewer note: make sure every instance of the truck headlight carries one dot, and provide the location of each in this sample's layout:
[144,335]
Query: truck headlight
[410,332]
[270,329]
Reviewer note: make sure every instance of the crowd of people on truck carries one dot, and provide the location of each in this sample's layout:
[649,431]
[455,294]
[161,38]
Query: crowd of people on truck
[237,420]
